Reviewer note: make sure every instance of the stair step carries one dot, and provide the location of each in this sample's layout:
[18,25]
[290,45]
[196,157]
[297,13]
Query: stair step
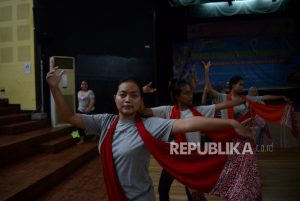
[58,144]
[27,179]
[23,127]
[90,176]
[14,148]
[10,109]
[14,118]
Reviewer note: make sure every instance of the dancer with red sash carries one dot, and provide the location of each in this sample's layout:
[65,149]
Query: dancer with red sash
[182,96]
[278,114]
[262,128]
[127,140]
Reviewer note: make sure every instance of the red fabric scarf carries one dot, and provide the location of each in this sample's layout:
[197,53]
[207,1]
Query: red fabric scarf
[230,112]
[175,114]
[200,172]
[278,114]
[112,184]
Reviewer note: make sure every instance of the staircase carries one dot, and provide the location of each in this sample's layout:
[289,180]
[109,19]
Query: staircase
[33,156]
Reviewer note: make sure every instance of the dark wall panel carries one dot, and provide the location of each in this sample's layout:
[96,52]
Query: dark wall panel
[109,39]
[104,72]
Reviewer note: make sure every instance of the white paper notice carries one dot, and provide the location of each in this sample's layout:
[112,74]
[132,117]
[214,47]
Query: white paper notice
[27,68]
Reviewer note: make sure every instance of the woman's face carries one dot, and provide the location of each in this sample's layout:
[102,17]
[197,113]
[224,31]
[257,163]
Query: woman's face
[186,96]
[252,92]
[84,86]
[238,87]
[128,98]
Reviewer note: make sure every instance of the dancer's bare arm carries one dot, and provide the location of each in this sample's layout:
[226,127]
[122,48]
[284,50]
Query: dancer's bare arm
[210,88]
[193,124]
[53,78]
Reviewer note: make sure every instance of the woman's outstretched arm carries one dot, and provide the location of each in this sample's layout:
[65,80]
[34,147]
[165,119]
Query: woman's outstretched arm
[272,97]
[228,104]
[193,124]
[53,78]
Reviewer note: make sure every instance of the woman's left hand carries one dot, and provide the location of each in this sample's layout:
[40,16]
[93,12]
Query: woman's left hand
[287,100]
[244,130]
[148,89]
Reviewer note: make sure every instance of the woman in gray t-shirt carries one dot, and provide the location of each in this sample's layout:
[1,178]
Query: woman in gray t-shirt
[236,86]
[181,93]
[86,99]
[130,156]
[86,104]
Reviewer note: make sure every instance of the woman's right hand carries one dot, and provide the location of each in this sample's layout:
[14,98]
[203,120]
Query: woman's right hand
[206,65]
[54,76]
[148,89]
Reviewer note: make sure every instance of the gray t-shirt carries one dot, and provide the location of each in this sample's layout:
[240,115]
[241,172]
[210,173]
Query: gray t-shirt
[129,152]
[84,98]
[238,110]
[255,98]
[205,110]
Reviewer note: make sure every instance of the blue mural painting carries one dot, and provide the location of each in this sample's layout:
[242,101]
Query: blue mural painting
[264,62]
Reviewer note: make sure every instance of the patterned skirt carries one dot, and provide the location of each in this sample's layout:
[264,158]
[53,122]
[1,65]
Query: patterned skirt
[239,180]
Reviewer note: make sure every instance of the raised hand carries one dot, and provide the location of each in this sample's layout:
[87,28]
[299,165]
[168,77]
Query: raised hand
[148,89]
[54,76]
[206,65]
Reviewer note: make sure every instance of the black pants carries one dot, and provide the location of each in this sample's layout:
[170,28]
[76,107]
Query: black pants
[165,182]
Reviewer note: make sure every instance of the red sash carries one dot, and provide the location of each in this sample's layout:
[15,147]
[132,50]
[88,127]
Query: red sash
[175,114]
[200,172]
[112,184]
[283,114]
[278,114]
[230,113]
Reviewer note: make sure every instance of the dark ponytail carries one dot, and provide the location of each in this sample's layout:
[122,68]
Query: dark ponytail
[175,88]
[234,80]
